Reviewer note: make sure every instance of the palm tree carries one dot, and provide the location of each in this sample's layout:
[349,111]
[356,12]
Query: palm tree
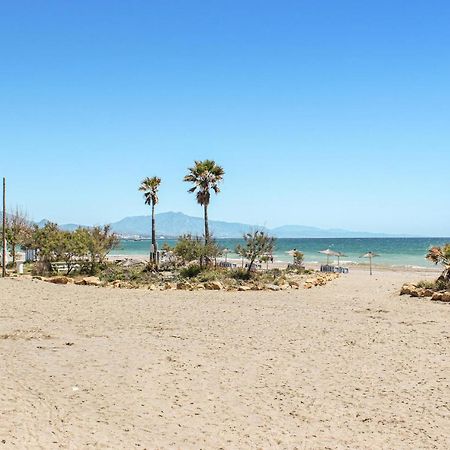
[441,255]
[205,175]
[150,187]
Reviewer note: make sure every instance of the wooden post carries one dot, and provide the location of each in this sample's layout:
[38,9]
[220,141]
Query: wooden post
[4,230]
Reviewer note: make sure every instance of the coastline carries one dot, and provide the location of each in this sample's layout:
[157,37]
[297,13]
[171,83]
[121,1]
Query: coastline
[312,266]
[394,252]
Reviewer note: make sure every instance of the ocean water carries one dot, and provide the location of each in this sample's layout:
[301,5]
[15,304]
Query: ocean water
[394,252]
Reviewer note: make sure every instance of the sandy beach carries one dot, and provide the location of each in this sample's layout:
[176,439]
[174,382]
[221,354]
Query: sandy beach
[347,365]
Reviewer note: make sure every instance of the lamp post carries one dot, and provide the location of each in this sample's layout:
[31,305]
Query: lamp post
[4,230]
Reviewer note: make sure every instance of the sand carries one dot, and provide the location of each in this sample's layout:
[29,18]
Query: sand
[348,365]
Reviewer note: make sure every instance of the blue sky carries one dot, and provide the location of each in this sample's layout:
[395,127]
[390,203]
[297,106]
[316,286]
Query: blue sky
[326,113]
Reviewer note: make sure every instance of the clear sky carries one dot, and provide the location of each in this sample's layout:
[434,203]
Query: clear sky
[325,113]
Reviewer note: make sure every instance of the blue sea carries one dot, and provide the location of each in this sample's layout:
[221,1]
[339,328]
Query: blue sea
[394,252]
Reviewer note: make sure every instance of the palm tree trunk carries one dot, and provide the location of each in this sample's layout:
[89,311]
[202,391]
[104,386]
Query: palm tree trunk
[206,224]
[154,243]
[445,275]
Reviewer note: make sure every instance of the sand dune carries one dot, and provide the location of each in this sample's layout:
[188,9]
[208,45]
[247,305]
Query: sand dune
[347,365]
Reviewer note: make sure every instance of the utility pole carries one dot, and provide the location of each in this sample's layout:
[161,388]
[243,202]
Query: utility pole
[4,230]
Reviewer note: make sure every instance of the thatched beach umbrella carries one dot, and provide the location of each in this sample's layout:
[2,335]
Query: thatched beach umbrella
[370,255]
[225,251]
[329,253]
[339,256]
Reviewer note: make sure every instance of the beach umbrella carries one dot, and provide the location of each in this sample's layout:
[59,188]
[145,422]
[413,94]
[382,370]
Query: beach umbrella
[226,251]
[340,254]
[370,255]
[329,253]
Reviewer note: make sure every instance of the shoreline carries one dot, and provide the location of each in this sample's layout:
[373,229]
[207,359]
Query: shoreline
[308,265]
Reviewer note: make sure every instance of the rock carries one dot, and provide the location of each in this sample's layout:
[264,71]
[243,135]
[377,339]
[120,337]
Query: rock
[437,296]
[410,289]
[426,293]
[445,297]
[321,281]
[407,289]
[214,286]
[58,280]
[200,287]
[92,281]
[421,292]
[245,288]
[272,287]
[184,286]
[152,287]
[294,284]
[284,287]
[441,296]
[257,287]
[89,281]
[122,284]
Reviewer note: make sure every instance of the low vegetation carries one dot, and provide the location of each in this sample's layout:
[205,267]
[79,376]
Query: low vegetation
[83,250]
[193,263]
[438,289]
[257,245]
[441,255]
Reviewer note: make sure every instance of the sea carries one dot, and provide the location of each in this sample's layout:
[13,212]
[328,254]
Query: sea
[393,252]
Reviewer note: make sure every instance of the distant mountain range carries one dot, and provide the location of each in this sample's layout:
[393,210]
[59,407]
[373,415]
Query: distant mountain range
[174,224]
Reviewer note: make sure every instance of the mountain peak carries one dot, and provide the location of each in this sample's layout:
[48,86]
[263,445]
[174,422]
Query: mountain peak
[174,224]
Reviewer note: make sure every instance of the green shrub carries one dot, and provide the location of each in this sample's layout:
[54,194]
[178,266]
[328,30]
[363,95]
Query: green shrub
[435,285]
[192,248]
[191,271]
[240,274]
[138,274]
[209,275]
[257,245]
[442,285]
[426,284]
[275,272]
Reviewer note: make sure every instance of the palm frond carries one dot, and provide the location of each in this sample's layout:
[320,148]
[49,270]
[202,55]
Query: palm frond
[150,187]
[205,176]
